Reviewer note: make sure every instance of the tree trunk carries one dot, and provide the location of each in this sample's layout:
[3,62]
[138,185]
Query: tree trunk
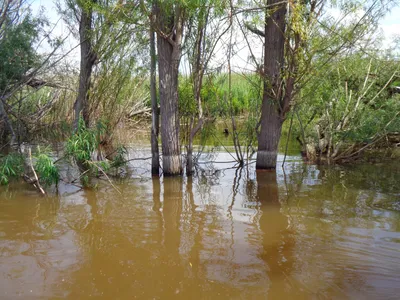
[189,157]
[270,134]
[88,58]
[169,37]
[192,133]
[272,114]
[155,156]
[197,84]
[197,77]
[168,76]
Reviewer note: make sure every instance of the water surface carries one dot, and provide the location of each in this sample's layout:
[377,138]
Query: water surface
[302,232]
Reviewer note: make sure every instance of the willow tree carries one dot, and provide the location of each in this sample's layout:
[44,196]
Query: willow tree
[80,16]
[283,26]
[274,104]
[106,32]
[83,12]
[290,49]
[169,18]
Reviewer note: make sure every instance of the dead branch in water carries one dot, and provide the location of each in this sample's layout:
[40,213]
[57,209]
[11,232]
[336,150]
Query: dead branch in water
[105,174]
[34,181]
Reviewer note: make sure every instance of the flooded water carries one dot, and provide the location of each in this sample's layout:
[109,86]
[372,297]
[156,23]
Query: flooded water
[302,232]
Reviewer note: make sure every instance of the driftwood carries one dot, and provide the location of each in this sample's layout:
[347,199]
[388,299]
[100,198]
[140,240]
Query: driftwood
[139,112]
[35,180]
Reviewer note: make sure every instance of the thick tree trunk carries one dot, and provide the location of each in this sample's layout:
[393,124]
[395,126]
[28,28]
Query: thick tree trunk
[270,134]
[155,156]
[168,76]
[88,58]
[169,53]
[272,114]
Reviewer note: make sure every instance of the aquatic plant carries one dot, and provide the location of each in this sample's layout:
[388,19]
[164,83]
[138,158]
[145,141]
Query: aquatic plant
[83,143]
[47,171]
[119,158]
[12,166]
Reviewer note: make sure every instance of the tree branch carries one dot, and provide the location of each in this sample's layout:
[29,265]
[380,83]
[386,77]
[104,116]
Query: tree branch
[255,30]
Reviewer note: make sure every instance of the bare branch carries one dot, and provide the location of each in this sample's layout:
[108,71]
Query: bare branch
[255,30]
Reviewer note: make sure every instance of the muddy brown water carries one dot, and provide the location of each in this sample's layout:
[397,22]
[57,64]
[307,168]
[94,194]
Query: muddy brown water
[308,232]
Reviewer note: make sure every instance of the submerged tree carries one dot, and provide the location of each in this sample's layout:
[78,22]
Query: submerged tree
[291,44]
[169,22]
[275,104]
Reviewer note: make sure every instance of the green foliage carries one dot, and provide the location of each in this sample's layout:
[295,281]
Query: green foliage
[245,95]
[119,159]
[83,143]
[187,104]
[213,98]
[353,103]
[85,180]
[99,168]
[47,171]
[11,166]
[17,52]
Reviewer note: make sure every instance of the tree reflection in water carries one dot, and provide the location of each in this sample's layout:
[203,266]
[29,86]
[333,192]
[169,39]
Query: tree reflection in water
[317,232]
[277,239]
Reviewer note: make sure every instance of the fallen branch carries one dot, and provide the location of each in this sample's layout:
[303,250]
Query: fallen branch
[142,111]
[105,174]
[35,181]
[358,151]
[139,158]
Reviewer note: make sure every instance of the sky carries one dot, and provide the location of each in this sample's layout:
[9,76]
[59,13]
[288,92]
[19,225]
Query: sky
[390,27]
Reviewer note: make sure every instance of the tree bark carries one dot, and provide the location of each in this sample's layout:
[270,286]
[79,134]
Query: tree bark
[155,156]
[272,114]
[169,37]
[88,58]
[270,134]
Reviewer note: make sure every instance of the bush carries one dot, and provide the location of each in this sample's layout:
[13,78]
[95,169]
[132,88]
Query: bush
[46,170]
[12,166]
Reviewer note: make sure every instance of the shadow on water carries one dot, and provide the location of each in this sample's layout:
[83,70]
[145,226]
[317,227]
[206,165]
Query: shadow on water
[308,232]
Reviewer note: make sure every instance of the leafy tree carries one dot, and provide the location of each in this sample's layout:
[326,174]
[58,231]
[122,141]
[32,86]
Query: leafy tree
[19,31]
[169,24]
[293,54]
